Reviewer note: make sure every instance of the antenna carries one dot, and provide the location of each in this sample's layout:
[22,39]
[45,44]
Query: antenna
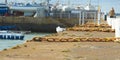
[98,2]
[98,5]
[57,3]
[33,1]
[89,2]
[46,2]
[5,1]
[68,2]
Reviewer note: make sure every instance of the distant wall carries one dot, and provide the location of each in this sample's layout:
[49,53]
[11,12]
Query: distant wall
[37,24]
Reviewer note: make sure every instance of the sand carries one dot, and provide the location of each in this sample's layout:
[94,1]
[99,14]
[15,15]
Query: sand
[65,50]
[93,34]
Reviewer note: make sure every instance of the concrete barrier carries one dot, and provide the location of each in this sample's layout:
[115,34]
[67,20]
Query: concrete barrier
[47,24]
[109,21]
[117,28]
[113,22]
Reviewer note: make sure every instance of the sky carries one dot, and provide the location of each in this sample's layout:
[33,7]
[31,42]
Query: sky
[105,5]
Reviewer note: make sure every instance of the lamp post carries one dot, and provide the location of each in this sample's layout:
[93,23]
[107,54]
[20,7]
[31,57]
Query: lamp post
[80,18]
[99,15]
[5,1]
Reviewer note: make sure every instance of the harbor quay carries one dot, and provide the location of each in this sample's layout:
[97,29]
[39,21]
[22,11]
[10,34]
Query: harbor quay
[69,44]
[77,31]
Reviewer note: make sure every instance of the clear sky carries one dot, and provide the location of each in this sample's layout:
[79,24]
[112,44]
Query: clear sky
[106,5]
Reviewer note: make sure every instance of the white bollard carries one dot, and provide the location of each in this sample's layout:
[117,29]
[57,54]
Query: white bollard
[109,21]
[113,22]
[117,28]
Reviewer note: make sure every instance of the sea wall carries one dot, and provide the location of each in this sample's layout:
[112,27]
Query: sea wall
[37,24]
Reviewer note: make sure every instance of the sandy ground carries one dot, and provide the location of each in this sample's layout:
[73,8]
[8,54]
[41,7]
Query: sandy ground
[65,50]
[93,34]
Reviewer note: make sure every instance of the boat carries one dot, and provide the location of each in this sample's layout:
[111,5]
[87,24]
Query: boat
[4,9]
[7,27]
[27,9]
[11,35]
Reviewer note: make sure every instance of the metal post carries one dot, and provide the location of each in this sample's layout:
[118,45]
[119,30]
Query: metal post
[94,17]
[85,15]
[83,20]
[80,18]
[99,18]
[60,15]
[69,16]
[6,2]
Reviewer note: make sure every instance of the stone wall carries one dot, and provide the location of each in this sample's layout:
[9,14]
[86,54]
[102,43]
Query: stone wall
[37,24]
